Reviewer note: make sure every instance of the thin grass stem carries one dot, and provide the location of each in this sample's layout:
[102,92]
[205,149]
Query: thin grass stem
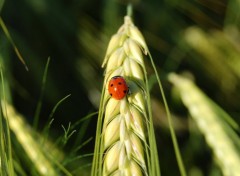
[39,104]
[173,135]
[5,30]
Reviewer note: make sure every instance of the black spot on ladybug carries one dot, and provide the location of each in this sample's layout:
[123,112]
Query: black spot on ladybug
[111,85]
[125,91]
[110,94]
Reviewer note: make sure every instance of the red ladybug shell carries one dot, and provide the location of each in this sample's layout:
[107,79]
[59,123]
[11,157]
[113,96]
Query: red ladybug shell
[117,87]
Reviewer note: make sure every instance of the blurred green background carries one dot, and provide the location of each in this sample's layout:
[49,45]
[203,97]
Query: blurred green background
[200,38]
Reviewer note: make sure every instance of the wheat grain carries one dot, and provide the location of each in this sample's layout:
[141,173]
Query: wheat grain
[124,145]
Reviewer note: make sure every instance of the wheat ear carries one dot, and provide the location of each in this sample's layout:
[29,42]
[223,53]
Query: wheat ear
[25,138]
[127,144]
[210,120]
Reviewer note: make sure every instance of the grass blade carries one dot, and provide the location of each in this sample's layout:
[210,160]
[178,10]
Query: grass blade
[39,104]
[172,132]
[5,30]
[6,146]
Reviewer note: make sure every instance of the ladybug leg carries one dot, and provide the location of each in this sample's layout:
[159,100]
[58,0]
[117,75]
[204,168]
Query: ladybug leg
[129,91]
[115,77]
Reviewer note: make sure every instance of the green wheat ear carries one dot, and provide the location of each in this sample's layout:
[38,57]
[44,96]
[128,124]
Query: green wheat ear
[125,141]
[215,124]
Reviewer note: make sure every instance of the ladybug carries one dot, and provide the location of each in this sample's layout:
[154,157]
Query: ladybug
[118,87]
